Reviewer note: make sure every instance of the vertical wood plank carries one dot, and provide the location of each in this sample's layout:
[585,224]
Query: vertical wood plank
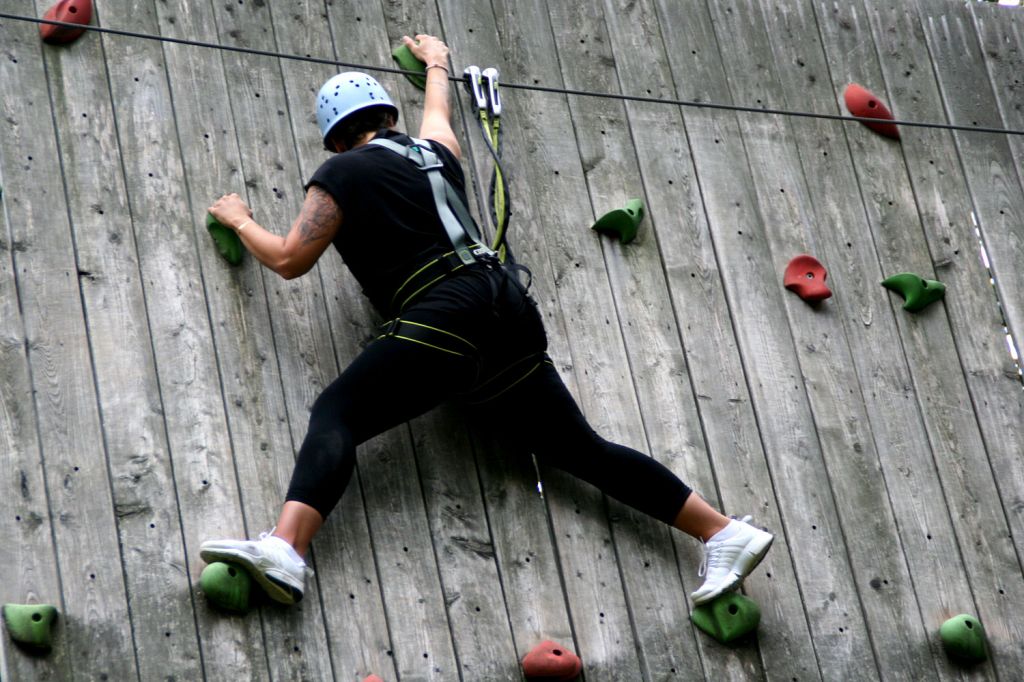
[97,630]
[670,419]
[1001,34]
[25,521]
[988,373]
[873,330]
[988,161]
[243,335]
[844,429]
[804,484]
[129,391]
[186,363]
[683,235]
[301,339]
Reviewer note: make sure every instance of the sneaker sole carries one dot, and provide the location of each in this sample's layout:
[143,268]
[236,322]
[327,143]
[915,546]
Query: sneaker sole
[748,560]
[276,589]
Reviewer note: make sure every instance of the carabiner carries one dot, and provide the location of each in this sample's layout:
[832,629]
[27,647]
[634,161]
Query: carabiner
[490,74]
[475,86]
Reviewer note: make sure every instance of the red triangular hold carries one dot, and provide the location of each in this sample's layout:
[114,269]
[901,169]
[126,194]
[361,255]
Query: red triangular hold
[551,661]
[862,102]
[805,277]
[70,11]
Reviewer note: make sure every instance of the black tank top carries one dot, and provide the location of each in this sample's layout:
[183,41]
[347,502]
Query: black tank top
[390,225]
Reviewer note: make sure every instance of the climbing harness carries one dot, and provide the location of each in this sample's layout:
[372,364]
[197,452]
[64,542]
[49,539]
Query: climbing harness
[458,224]
[462,231]
[483,88]
[426,335]
[468,247]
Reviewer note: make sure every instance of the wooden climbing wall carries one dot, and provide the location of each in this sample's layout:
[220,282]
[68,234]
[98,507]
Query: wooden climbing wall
[152,397]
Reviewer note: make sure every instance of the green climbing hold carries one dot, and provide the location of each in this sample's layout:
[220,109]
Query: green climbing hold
[622,222]
[728,617]
[31,625]
[918,293]
[226,239]
[407,61]
[227,586]
[963,637]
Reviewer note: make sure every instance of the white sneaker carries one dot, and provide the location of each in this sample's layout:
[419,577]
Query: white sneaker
[727,562]
[271,561]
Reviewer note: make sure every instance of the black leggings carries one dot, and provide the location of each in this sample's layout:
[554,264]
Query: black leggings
[395,380]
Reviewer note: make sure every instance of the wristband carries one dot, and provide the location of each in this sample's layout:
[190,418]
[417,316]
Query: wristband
[242,226]
[438,66]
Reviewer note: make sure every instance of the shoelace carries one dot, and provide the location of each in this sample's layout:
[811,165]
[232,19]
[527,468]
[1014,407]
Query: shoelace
[708,553]
[305,567]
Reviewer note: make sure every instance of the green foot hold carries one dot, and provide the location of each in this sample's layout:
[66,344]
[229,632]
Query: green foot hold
[728,617]
[406,61]
[31,625]
[622,222]
[227,586]
[917,293]
[227,241]
[963,637]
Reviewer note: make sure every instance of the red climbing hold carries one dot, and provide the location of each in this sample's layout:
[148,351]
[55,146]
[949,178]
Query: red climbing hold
[372,678]
[805,277]
[550,661]
[862,102]
[70,11]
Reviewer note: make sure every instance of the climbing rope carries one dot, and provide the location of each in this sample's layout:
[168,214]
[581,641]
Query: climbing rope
[519,86]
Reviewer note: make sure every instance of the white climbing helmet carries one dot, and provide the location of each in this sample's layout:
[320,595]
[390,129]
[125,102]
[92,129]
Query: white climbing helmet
[345,94]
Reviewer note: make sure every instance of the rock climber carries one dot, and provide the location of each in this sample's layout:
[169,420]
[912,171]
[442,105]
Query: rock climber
[461,328]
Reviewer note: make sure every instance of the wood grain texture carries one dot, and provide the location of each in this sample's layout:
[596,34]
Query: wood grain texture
[992,171]
[906,457]
[826,360]
[261,445]
[176,312]
[149,524]
[873,443]
[670,424]
[799,471]
[26,521]
[695,280]
[96,619]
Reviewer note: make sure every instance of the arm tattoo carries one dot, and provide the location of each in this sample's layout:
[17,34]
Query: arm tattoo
[320,216]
